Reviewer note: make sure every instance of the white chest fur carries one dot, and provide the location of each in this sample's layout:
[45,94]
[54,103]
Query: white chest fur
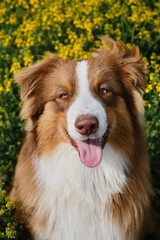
[74,197]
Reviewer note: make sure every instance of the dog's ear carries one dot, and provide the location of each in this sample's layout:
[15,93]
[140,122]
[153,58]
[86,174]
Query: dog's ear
[134,67]
[129,60]
[134,71]
[31,76]
[134,75]
[31,81]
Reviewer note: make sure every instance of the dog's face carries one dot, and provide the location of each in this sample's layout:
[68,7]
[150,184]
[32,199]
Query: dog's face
[86,103]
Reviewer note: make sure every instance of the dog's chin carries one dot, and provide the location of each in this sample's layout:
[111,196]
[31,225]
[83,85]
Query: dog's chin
[90,150]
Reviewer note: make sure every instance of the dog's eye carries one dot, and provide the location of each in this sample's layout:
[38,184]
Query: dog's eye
[103,90]
[63,95]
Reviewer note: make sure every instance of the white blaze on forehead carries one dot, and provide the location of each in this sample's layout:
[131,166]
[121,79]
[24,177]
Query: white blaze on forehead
[85,103]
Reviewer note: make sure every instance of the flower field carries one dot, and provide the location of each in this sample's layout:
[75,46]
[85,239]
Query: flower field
[31,29]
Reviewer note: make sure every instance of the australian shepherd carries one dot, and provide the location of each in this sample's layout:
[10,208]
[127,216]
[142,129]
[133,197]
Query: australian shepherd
[82,173]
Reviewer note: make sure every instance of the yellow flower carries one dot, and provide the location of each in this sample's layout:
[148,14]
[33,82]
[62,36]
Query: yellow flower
[9,234]
[1,89]
[3,193]
[146,90]
[15,67]
[158,87]
[150,87]
[9,205]
[1,212]
[7,199]
[149,105]
[146,64]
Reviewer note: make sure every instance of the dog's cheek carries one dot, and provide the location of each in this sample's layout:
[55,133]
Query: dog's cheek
[51,128]
[46,126]
[121,134]
[62,105]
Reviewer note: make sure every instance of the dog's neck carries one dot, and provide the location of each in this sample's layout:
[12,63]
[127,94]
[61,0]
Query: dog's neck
[77,196]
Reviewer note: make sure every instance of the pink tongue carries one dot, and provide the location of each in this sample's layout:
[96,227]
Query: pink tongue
[90,152]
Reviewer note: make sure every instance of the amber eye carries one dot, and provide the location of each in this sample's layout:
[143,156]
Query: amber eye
[63,95]
[103,90]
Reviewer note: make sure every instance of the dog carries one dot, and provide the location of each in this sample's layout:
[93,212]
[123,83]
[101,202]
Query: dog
[83,173]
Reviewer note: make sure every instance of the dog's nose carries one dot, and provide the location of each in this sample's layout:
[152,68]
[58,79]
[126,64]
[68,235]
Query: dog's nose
[86,124]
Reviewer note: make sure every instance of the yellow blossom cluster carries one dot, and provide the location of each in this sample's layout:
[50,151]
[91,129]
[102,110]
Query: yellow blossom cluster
[10,230]
[30,28]
[7,230]
[71,26]
[153,86]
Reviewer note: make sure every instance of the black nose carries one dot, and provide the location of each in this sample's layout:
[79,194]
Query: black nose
[86,124]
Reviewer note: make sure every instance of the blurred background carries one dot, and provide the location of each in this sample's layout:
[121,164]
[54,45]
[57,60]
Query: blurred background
[31,29]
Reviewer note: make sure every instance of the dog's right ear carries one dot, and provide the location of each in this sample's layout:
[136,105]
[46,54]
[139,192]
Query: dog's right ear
[32,84]
[29,77]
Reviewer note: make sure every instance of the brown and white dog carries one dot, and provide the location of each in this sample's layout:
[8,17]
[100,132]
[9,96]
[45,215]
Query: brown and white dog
[83,173]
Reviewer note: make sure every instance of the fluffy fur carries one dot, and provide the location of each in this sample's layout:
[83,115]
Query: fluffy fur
[56,195]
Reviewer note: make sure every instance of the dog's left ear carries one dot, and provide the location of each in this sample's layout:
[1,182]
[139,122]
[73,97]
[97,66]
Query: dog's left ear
[135,75]
[135,72]
[129,59]
[134,67]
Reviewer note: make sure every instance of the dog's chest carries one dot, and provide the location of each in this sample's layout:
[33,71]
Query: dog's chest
[74,199]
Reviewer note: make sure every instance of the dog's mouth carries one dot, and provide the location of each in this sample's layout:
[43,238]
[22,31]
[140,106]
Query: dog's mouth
[90,150]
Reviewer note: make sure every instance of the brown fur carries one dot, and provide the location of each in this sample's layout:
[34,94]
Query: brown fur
[121,71]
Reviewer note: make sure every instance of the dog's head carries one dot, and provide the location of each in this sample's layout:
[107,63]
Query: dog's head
[86,102]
